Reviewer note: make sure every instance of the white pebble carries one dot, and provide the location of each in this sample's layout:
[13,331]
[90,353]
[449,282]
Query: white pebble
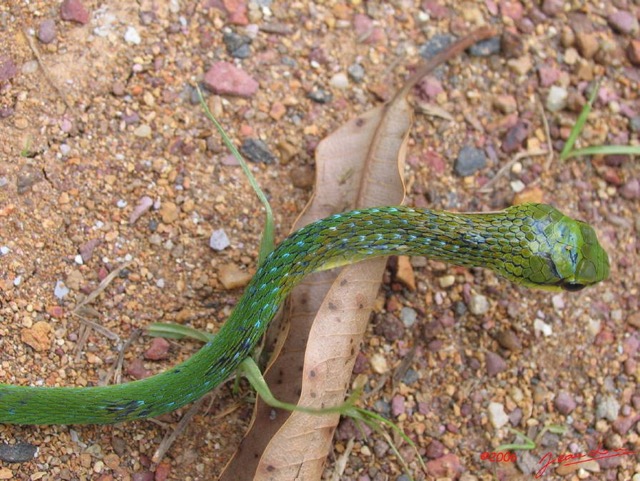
[379,364]
[121,203]
[160,283]
[60,291]
[64,149]
[219,240]
[557,98]
[517,185]
[17,281]
[4,250]
[542,327]
[558,302]
[78,259]
[339,81]
[132,36]
[497,416]
[478,305]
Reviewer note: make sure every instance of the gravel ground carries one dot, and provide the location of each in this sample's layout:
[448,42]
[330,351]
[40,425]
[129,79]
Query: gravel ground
[106,159]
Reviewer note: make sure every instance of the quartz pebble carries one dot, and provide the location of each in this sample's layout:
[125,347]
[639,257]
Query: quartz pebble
[497,415]
[219,240]
[478,304]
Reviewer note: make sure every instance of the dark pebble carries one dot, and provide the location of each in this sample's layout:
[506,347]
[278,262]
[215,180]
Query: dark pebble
[238,46]
[17,453]
[147,17]
[511,45]
[356,72]
[389,327]
[410,377]
[435,45]
[634,123]
[382,407]
[257,151]
[469,161]
[515,136]
[320,96]
[47,31]
[485,48]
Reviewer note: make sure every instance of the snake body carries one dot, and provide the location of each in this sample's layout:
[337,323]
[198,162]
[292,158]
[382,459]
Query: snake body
[531,244]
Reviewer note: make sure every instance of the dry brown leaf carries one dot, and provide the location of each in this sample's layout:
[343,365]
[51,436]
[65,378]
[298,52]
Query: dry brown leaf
[358,166]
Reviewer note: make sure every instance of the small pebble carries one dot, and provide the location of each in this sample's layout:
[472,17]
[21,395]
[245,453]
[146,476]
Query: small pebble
[469,161]
[121,203]
[142,131]
[397,405]
[8,68]
[320,96]
[558,302]
[564,403]
[78,259]
[17,453]
[435,45]
[257,151]
[379,363]
[495,364]
[478,304]
[47,31]
[356,72]
[158,350]
[238,46]
[557,98]
[542,327]
[131,36]
[446,281]
[517,186]
[623,22]
[232,277]
[607,407]
[74,11]
[389,326]
[491,46]
[224,78]
[631,189]
[408,316]
[497,415]
[143,206]
[339,81]
[219,240]
[60,290]
[4,250]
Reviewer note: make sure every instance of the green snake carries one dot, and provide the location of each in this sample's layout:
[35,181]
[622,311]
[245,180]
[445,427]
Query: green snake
[531,244]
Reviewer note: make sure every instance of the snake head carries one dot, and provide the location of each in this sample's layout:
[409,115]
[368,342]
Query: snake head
[571,257]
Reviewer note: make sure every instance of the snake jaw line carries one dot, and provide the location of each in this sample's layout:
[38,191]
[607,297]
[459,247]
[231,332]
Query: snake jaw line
[531,244]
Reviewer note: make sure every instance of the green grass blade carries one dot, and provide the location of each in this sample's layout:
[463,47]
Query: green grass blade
[267,244]
[604,150]
[579,125]
[177,331]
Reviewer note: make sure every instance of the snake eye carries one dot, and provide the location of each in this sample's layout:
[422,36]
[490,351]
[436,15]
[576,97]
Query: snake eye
[573,287]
